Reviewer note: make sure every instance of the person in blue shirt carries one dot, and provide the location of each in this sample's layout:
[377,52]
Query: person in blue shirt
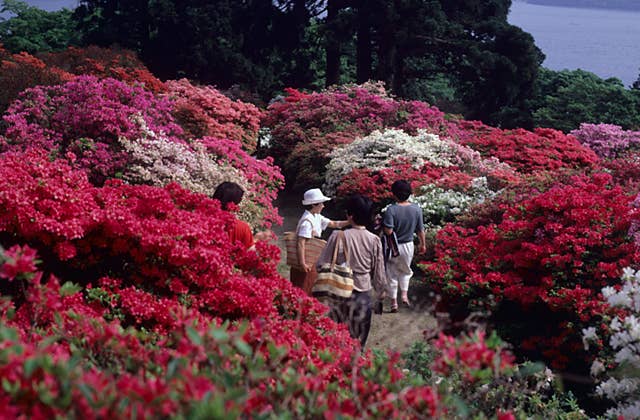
[404,219]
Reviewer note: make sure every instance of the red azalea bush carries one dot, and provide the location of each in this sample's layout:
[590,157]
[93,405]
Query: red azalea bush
[540,150]
[305,128]
[86,116]
[140,328]
[113,62]
[203,111]
[21,71]
[541,265]
[60,356]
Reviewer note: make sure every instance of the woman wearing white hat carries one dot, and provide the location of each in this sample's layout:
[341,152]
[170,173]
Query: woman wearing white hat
[311,225]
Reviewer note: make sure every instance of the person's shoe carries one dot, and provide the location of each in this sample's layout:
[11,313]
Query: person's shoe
[393,310]
[406,303]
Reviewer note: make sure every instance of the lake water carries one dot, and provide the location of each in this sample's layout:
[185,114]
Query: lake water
[604,42]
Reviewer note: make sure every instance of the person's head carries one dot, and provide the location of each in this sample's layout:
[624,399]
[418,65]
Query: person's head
[228,192]
[313,200]
[401,190]
[359,209]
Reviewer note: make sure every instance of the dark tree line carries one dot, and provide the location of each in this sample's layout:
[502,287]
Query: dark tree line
[421,49]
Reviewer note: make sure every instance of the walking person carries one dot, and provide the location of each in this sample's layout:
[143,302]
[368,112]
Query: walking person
[311,225]
[404,219]
[367,264]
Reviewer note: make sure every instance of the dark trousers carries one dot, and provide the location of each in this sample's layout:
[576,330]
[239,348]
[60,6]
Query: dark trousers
[356,313]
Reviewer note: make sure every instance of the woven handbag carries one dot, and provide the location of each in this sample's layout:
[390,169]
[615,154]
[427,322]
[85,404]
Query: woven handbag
[334,283]
[313,248]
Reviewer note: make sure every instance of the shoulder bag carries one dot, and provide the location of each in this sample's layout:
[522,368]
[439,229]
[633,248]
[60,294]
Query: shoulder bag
[334,283]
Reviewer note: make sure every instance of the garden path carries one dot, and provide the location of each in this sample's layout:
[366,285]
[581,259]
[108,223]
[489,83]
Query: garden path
[389,331]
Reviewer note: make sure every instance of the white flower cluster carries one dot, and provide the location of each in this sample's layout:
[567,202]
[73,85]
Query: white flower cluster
[156,160]
[623,384]
[377,150]
[440,206]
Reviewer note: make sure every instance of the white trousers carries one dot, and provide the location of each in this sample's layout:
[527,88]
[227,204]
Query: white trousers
[399,269]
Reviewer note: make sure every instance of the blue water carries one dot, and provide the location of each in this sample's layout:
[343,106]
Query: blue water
[604,42]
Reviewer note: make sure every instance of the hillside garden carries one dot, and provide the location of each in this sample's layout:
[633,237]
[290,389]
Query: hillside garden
[123,297]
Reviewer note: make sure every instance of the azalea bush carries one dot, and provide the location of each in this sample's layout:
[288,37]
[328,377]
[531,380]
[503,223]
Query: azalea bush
[447,178]
[61,355]
[21,71]
[607,140]
[113,62]
[540,265]
[203,111]
[156,160]
[86,117]
[305,128]
[477,377]
[619,363]
[528,151]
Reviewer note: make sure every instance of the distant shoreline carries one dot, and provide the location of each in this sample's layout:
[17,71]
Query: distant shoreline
[628,5]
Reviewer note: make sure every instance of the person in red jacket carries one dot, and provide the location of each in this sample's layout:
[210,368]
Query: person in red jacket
[231,193]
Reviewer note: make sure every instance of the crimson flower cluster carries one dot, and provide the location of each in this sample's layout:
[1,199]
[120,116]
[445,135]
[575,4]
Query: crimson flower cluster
[543,262]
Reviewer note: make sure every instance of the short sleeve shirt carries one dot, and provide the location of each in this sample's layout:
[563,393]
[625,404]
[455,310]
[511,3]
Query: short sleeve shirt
[314,229]
[241,231]
[404,220]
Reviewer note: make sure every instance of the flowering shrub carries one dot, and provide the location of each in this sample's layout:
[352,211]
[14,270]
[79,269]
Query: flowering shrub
[477,378]
[526,151]
[607,140]
[86,117]
[618,371]
[474,358]
[445,176]
[154,160]
[21,71]
[264,178]
[542,263]
[203,111]
[305,128]
[113,62]
[160,315]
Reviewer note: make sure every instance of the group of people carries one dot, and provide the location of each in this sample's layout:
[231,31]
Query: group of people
[381,263]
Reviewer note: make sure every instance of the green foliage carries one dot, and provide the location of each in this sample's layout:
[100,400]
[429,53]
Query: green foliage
[529,391]
[565,99]
[34,30]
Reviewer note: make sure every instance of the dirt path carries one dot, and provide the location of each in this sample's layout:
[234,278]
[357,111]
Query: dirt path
[389,331]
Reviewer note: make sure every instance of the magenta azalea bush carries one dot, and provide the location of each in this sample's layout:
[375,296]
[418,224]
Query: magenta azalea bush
[86,117]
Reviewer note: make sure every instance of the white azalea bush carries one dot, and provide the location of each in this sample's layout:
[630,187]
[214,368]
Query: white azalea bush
[155,160]
[621,384]
[440,205]
[379,150]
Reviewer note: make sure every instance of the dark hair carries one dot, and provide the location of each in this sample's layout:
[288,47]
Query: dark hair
[359,208]
[401,189]
[228,192]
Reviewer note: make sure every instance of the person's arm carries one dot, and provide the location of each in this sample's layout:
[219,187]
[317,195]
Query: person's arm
[338,224]
[422,244]
[379,279]
[302,242]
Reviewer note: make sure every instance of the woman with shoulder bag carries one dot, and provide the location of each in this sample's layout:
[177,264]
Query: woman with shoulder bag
[311,225]
[366,261]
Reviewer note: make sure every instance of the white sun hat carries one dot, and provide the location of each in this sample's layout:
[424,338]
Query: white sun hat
[314,196]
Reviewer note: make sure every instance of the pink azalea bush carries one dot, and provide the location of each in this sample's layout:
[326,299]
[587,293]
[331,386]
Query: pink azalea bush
[203,111]
[607,140]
